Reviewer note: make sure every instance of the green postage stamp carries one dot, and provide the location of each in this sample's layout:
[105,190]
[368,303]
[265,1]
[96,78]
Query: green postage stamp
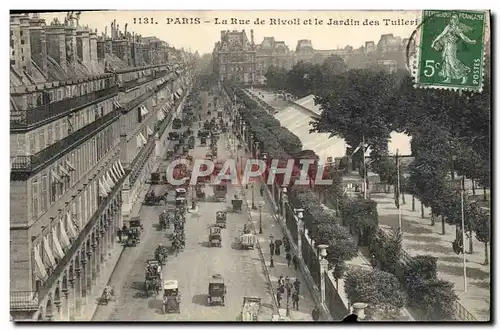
[452,49]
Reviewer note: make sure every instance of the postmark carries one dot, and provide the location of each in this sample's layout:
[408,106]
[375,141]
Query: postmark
[451,50]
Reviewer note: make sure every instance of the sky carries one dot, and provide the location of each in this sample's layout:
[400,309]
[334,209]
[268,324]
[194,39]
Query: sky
[201,37]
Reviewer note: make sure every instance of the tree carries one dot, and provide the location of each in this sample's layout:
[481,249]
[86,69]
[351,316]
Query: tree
[387,249]
[302,78]
[276,77]
[380,290]
[481,225]
[333,65]
[341,246]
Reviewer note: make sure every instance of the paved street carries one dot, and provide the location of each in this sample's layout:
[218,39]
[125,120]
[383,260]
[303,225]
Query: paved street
[193,267]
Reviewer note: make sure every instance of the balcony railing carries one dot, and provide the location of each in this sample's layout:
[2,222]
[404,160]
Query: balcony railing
[24,118]
[140,160]
[136,102]
[23,300]
[32,163]
[143,80]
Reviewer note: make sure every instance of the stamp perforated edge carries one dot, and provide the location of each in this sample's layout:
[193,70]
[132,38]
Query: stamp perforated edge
[416,61]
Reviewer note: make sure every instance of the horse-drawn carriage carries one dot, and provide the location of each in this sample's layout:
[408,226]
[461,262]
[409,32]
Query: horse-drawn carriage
[153,277]
[191,142]
[171,297]
[176,124]
[134,231]
[216,290]
[221,218]
[161,254]
[165,218]
[237,204]
[214,237]
[173,136]
[152,199]
[203,141]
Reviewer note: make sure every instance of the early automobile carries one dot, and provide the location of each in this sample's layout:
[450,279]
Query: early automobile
[171,297]
[221,218]
[216,290]
[214,237]
[134,231]
[220,192]
[152,283]
[237,204]
[180,192]
[250,309]
[247,241]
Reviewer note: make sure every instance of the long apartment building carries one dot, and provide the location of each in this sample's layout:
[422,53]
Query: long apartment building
[89,116]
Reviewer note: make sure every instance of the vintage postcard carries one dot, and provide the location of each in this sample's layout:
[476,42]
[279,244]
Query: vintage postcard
[250,166]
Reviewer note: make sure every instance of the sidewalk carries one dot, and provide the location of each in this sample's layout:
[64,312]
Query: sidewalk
[421,238]
[108,268]
[270,227]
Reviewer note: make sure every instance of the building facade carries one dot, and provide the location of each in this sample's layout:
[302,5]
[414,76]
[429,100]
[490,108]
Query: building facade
[89,115]
[390,52]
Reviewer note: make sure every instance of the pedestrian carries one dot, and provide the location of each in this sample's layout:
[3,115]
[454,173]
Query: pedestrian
[288,258]
[315,314]
[281,281]
[296,285]
[295,261]
[295,300]
[261,190]
[286,244]
[278,298]
[278,244]
[119,235]
[271,247]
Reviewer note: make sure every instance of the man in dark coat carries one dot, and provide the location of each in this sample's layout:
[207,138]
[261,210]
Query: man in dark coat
[288,258]
[278,298]
[271,248]
[315,314]
[278,244]
[295,261]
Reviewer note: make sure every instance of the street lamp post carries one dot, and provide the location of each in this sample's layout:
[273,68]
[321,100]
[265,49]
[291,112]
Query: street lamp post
[261,204]
[323,267]
[271,238]
[300,214]
[253,197]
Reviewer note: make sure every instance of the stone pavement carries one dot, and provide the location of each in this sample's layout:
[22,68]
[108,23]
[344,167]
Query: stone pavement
[270,226]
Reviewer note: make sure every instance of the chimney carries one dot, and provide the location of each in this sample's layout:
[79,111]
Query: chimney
[70,34]
[38,42]
[83,46]
[56,43]
[93,45]
[251,36]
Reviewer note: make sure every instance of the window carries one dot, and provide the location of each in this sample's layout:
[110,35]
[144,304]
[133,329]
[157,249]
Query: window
[22,41]
[41,140]
[43,194]
[34,198]
[32,144]
[53,190]
[49,136]
[57,130]
[59,95]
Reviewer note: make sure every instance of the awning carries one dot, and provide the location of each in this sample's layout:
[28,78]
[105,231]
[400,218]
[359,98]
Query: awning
[117,104]
[64,236]
[165,111]
[144,140]
[138,141]
[105,184]
[177,95]
[110,180]
[58,252]
[71,226]
[56,176]
[39,267]
[116,172]
[48,260]
[160,115]
[70,166]
[144,111]
[64,171]
[102,190]
[113,175]
[120,167]
[149,131]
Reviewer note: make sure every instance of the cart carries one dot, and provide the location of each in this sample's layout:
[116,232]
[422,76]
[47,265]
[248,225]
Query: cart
[216,290]
[247,241]
[220,192]
[221,219]
[237,204]
[171,297]
[108,294]
[214,237]
[180,192]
